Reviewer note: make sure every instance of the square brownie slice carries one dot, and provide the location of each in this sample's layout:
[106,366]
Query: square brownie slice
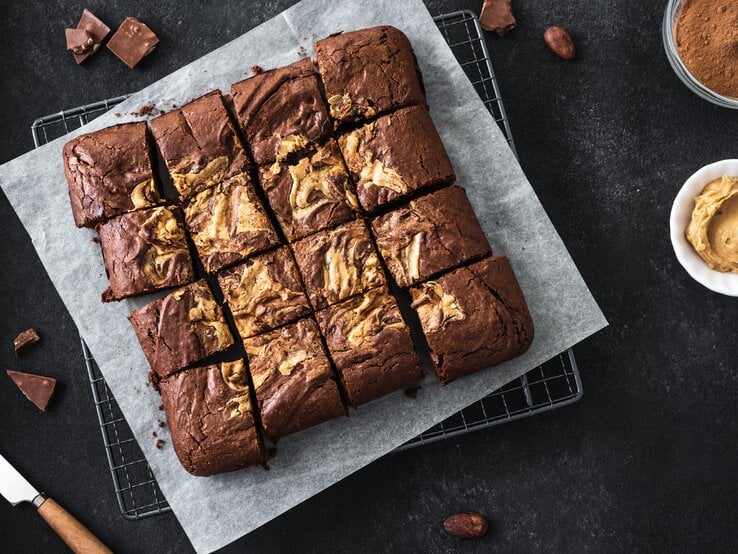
[199,145]
[211,419]
[145,251]
[313,194]
[369,72]
[370,345]
[264,292]
[338,264]
[181,329]
[473,318]
[394,156]
[228,223]
[293,379]
[281,111]
[431,234]
[109,173]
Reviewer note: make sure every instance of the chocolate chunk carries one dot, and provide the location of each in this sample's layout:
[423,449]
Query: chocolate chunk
[132,42]
[79,41]
[36,388]
[497,16]
[96,28]
[25,341]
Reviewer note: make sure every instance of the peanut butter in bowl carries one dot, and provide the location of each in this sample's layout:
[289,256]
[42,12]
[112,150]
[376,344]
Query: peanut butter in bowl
[713,228]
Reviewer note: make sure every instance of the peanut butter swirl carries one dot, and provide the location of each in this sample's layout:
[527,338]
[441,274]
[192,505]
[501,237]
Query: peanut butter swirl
[435,306]
[234,376]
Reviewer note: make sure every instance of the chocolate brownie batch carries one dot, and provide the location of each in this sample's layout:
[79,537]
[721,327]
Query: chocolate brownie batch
[331,199]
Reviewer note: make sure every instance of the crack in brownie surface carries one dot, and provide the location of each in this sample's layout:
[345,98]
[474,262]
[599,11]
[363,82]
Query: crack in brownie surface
[338,264]
[395,155]
[293,379]
[264,292]
[431,234]
[145,251]
[181,329]
[228,223]
[281,111]
[109,173]
[473,318]
[312,194]
[211,419]
[199,145]
[368,72]
[371,346]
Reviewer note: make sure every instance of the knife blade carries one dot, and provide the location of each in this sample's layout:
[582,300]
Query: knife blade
[16,489]
[13,486]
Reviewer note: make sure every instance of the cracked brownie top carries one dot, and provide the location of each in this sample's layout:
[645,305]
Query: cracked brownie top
[473,318]
[368,72]
[199,144]
[394,156]
[431,234]
[211,419]
[181,329]
[109,173]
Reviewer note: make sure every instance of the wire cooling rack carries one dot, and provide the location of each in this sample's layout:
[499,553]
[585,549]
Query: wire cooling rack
[551,385]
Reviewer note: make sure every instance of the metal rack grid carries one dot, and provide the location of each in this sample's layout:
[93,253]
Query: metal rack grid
[551,385]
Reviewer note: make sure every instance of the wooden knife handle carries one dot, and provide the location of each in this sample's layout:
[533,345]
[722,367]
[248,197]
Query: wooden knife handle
[71,531]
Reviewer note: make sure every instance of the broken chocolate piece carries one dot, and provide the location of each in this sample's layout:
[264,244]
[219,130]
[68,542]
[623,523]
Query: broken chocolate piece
[97,29]
[79,41]
[25,341]
[36,388]
[497,16]
[132,42]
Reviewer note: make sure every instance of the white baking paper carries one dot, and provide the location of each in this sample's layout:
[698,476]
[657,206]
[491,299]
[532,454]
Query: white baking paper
[217,510]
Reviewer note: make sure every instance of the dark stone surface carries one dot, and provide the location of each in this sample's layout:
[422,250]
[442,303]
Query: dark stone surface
[643,462]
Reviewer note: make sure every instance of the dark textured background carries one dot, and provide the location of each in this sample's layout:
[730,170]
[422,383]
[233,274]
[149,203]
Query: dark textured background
[645,461]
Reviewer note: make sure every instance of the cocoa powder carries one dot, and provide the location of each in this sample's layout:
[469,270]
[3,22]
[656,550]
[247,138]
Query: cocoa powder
[707,41]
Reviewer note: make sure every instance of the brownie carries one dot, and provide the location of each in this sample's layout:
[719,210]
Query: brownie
[281,111]
[109,173]
[312,194]
[370,345]
[293,379]
[228,223]
[432,234]
[338,264]
[181,329]
[199,144]
[473,318]
[369,72]
[145,251]
[395,155]
[264,292]
[211,419]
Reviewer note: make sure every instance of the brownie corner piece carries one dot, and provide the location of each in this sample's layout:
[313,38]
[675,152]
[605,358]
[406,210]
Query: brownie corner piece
[211,419]
[473,318]
[109,172]
[144,251]
[368,72]
[199,144]
[264,292]
[293,379]
[181,329]
[312,194]
[394,156]
[339,263]
[281,111]
[429,235]
[371,346]
[228,223]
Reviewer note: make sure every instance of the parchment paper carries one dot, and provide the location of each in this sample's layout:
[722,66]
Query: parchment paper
[217,510]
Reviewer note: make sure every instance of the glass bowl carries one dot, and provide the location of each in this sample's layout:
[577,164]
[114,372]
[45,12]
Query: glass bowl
[669,34]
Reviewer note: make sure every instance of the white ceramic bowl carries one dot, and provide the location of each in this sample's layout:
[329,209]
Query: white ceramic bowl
[681,214]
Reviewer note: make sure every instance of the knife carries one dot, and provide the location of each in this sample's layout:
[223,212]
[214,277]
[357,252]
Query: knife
[15,489]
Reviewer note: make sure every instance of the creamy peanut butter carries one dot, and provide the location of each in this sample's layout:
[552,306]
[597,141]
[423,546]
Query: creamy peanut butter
[713,230]
[435,306]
